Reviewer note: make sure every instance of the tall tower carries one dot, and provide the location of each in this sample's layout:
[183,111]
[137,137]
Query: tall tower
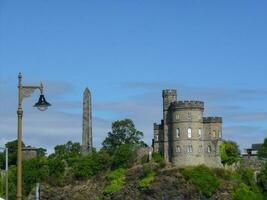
[87,142]
[169,96]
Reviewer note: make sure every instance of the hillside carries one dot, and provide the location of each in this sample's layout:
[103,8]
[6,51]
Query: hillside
[137,183]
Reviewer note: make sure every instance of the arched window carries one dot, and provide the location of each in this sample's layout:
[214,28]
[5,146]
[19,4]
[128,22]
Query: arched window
[199,132]
[157,137]
[178,149]
[189,133]
[177,133]
[209,149]
[190,149]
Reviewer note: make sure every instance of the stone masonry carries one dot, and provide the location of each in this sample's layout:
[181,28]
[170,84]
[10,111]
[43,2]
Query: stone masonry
[184,137]
[87,142]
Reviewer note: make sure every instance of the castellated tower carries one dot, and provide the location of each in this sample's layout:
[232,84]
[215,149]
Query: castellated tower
[184,136]
[169,96]
[87,141]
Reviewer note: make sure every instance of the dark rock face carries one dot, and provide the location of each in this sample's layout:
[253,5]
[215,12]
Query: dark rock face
[169,184]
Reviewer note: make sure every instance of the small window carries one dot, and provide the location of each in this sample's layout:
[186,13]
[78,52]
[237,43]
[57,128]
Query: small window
[209,149]
[157,137]
[200,148]
[214,133]
[189,133]
[220,134]
[177,133]
[178,149]
[177,116]
[199,132]
[190,149]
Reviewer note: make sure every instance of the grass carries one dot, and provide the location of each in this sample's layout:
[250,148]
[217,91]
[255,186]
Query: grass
[147,180]
[116,181]
[203,179]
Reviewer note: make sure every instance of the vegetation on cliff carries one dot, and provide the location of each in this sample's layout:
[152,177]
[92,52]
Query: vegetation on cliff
[114,173]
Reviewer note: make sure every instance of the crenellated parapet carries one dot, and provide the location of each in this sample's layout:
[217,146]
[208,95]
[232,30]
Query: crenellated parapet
[169,92]
[207,120]
[187,105]
[156,126]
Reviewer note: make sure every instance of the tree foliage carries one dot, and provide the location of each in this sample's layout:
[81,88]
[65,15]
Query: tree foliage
[87,166]
[262,152]
[67,151]
[230,152]
[123,132]
[12,151]
[123,156]
[262,178]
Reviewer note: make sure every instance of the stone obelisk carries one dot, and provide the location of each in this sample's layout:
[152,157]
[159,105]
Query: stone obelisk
[87,141]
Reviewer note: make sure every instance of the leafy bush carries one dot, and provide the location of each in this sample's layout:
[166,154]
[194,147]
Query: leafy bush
[34,170]
[116,179]
[262,178]
[157,157]
[83,167]
[56,171]
[247,176]
[202,177]
[244,193]
[87,166]
[229,152]
[123,156]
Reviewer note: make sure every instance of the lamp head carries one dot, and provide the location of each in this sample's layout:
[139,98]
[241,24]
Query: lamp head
[42,104]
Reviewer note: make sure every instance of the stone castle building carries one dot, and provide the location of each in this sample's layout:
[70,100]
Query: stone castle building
[184,137]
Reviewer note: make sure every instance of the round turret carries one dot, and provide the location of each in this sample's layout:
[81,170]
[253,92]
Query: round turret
[185,119]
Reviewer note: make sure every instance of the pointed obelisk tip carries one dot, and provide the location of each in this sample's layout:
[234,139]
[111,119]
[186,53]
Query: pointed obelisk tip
[86,90]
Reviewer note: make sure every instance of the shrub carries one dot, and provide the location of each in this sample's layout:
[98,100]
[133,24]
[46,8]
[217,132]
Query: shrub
[34,170]
[116,181]
[243,193]
[247,176]
[157,157]
[88,166]
[123,156]
[262,178]
[56,171]
[203,179]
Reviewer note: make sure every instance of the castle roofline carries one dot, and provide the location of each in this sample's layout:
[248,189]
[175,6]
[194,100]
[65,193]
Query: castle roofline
[212,120]
[187,105]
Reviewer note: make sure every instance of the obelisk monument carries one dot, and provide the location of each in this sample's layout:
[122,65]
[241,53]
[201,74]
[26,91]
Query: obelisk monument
[87,141]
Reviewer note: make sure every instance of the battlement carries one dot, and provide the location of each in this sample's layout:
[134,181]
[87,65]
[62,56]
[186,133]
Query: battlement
[212,120]
[169,92]
[156,126]
[188,105]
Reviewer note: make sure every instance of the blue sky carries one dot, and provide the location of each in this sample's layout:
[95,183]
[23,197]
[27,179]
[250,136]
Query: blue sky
[126,52]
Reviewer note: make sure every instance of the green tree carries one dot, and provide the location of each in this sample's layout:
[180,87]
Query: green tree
[262,178]
[262,152]
[90,165]
[41,152]
[12,152]
[34,170]
[123,156]
[230,152]
[123,132]
[2,160]
[67,151]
